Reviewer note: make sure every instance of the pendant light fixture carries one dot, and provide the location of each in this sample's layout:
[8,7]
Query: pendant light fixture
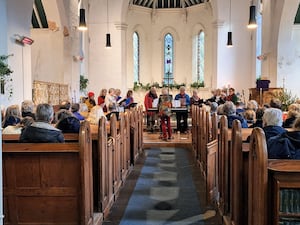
[108,43]
[229,34]
[82,23]
[252,17]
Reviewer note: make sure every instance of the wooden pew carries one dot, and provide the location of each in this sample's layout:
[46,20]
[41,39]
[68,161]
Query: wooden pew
[123,148]
[274,186]
[105,196]
[194,111]
[258,179]
[49,183]
[238,173]
[223,173]
[127,117]
[116,154]
[140,128]
[134,150]
[211,167]
[284,190]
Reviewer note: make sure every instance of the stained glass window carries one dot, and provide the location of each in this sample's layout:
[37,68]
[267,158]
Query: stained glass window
[200,57]
[168,59]
[136,57]
[258,44]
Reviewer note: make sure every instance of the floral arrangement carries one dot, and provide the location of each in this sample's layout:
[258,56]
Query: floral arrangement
[83,83]
[197,84]
[140,86]
[287,98]
[5,76]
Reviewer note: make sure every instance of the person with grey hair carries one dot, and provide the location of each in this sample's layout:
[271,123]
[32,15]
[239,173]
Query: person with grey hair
[272,123]
[42,131]
[229,110]
[27,107]
[285,145]
[213,107]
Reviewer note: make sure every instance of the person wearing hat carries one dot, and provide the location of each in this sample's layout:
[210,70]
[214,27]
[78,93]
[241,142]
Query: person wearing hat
[90,101]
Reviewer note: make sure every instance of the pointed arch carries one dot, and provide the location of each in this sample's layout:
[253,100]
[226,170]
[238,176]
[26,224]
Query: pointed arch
[198,59]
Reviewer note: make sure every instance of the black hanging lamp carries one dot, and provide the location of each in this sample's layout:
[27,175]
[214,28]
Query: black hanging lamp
[108,43]
[82,23]
[252,17]
[229,34]
[229,39]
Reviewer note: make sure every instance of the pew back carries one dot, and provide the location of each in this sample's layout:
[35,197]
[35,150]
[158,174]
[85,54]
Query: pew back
[49,183]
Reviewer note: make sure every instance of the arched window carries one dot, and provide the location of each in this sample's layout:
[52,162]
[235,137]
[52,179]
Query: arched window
[258,44]
[168,59]
[200,43]
[136,57]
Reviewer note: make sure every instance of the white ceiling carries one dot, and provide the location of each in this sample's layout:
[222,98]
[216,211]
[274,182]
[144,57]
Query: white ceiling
[167,3]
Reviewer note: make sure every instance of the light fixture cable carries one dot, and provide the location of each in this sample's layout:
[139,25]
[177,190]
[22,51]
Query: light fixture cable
[108,43]
[229,34]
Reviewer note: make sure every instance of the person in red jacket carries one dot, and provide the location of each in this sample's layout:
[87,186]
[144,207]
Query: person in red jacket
[148,102]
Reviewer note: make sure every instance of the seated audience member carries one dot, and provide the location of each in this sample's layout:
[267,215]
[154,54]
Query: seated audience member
[83,110]
[95,114]
[250,116]
[90,101]
[232,96]
[67,123]
[65,105]
[286,145]
[293,113]
[110,101]
[240,109]
[252,104]
[213,107]
[259,115]
[75,110]
[272,123]
[129,99]
[195,100]
[16,129]
[148,103]
[222,98]
[12,116]
[118,95]
[101,99]
[27,107]
[230,111]
[275,103]
[164,111]
[215,96]
[41,130]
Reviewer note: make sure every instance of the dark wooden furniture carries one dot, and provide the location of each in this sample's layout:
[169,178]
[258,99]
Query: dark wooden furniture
[49,183]
[262,96]
[258,179]
[284,186]
[223,166]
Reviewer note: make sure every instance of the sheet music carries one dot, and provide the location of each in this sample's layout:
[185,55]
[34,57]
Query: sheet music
[155,103]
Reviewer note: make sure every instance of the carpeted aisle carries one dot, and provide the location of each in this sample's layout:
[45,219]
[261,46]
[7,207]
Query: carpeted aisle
[164,192]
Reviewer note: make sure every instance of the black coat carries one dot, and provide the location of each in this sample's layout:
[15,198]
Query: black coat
[284,146]
[41,133]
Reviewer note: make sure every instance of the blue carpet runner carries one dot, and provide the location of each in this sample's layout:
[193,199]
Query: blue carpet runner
[164,193]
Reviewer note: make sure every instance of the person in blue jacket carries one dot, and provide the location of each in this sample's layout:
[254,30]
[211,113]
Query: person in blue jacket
[229,110]
[182,117]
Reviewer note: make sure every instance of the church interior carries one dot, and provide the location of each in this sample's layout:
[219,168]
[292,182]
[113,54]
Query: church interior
[194,154]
